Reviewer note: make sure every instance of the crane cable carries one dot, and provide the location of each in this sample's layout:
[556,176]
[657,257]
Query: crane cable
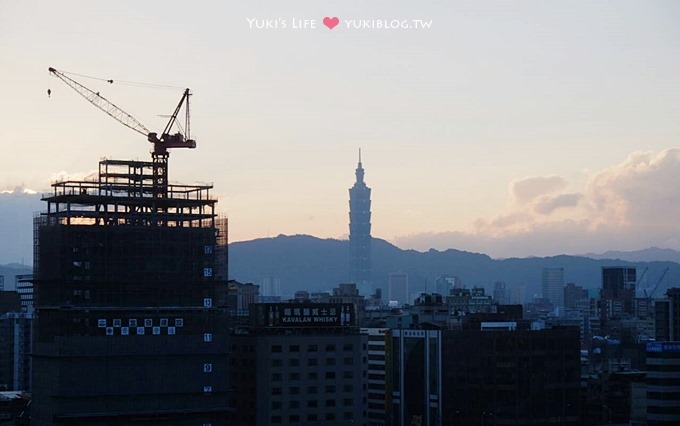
[120,82]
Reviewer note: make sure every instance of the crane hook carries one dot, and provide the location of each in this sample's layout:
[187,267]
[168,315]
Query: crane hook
[49,93]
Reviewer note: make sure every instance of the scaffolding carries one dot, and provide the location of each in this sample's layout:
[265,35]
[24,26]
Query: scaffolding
[124,194]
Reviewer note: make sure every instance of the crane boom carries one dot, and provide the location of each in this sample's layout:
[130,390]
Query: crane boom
[103,104]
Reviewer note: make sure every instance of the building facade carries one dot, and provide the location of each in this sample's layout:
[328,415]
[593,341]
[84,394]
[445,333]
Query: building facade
[663,383]
[300,363]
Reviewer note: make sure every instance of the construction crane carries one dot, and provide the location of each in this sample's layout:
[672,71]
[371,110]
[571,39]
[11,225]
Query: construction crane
[161,144]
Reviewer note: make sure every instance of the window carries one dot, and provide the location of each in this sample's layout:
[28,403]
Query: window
[312,417]
[295,362]
[330,348]
[294,390]
[109,331]
[312,375]
[276,391]
[347,402]
[117,322]
[330,403]
[276,377]
[276,405]
[164,322]
[148,322]
[156,331]
[348,347]
[207,367]
[330,374]
[312,390]
[313,348]
[207,249]
[294,418]
[294,404]
[330,388]
[207,337]
[125,331]
[275,419]
[207,389]
[347,374]
[330,361]
[348,416]
[294,376]
[276,348]
[349,361]
[312,361]
[179,322]
[140,331]
[330,416]
[207,302]
[171,331]
[294,348]
[101,323]
[207,272]
[277,363]
[132,323]
[348,388]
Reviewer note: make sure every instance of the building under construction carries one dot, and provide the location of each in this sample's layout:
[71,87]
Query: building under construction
[127,267]
[124,284]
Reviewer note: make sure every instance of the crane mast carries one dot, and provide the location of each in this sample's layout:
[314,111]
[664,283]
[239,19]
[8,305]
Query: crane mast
[159,154]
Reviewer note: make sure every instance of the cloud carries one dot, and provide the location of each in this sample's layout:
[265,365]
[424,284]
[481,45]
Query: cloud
[627,206]
[547,205]
[529,188]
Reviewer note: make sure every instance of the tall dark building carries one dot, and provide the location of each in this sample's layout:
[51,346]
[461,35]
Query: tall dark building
[360,232]
[667,316]
[618,292]
[126,328]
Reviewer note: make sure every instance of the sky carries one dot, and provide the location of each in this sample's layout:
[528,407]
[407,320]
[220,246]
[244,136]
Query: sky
[513,128]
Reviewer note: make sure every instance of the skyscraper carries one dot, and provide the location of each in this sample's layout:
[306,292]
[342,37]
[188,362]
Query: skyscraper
[618,292]
[360,232]
[553,285]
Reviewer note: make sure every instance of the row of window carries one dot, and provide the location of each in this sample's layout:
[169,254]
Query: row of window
[347,347]
[346,402]
[313,375]
[132,322]
[295,418]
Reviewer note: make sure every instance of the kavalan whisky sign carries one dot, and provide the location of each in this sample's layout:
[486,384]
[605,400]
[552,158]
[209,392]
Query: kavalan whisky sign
[305,314]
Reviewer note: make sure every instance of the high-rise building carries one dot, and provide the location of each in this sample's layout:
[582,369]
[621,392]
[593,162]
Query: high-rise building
[300,363]
[360,232]
[667,316]
[126,327]
[663,380]
[572,294]
[499,293]
[15,350]
[416,377]
[397,287]
[618,292]
[552,281]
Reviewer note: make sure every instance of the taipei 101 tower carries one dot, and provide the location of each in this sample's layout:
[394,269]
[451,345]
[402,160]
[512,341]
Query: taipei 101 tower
[360,232]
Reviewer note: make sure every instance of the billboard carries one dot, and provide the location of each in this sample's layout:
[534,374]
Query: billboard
[304,315]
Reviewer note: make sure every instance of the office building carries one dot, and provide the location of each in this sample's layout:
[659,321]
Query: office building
[300,363]
[552,284]
[360,232]
[397,288]
[511,375]
[618,293]
[667,316]
[663,383]
[416,377]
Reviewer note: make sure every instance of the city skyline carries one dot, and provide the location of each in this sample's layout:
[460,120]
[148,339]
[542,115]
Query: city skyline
[510,129]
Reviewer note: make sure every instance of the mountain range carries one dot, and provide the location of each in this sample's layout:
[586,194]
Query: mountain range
[303,262]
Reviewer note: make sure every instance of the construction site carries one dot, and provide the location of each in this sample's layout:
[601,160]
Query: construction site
[127,271]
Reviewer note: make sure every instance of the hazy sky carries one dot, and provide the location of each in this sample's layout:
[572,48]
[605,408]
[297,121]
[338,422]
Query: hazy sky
[512,128]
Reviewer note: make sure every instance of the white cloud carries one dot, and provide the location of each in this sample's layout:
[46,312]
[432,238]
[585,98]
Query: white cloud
[627,206]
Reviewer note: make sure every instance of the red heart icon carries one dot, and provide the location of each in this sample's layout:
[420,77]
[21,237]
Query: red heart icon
[331,22]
